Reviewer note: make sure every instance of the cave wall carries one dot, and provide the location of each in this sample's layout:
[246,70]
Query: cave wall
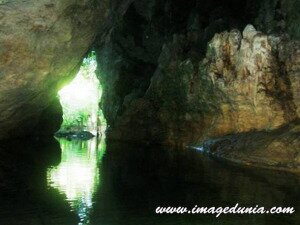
[172,71]
[178,72]
[279,16]
[42,44]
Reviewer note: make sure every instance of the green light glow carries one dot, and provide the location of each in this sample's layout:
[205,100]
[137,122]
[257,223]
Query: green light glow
[80,99]
[80,94]
[77,176]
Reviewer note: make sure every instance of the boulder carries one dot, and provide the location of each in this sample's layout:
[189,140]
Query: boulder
[72,135]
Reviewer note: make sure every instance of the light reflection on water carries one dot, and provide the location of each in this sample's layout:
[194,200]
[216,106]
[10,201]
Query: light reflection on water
[129,182]
[77,176]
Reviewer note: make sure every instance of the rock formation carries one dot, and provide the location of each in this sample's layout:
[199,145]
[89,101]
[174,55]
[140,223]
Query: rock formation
[42,44]
[173,72]
[250,71]
[278,149]
[247,81]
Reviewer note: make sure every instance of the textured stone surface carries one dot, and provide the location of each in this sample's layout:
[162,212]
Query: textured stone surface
[254,81]
[50,119]
[157,87]
[278,149]
[247,81]
[41,46]
[278,16]
[129,56]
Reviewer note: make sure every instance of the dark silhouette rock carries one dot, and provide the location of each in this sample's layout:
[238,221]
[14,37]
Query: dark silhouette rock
[72,135]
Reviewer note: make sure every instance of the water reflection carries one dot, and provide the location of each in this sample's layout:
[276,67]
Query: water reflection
[129,183]
[77,176]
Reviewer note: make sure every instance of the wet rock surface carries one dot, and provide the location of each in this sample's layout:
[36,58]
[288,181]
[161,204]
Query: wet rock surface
[279,149]
[72,135]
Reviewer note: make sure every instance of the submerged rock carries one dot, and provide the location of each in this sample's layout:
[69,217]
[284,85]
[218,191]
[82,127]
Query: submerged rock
[72,135]
[279,149]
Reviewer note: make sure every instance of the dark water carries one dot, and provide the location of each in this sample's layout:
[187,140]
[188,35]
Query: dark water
[98,183]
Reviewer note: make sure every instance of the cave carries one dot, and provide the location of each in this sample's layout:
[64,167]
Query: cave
[114,109]
[82,116]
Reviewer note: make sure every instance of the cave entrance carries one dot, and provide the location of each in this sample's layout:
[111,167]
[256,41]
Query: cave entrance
[80,101]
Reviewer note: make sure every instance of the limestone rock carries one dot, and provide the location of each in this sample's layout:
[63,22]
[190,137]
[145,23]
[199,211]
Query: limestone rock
[278,16]
[256,83]
[249,32]
[278,149]
[41,46]
[246,82]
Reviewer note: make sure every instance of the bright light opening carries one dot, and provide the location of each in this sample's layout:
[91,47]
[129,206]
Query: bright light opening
[80,100]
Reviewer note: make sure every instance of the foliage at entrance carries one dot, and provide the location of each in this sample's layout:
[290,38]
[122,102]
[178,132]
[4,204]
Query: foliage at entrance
[80,99]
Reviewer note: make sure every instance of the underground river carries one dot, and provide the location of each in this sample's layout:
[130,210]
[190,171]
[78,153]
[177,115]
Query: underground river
[60,182]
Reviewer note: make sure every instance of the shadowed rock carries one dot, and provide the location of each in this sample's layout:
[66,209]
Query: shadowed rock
[42,44]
